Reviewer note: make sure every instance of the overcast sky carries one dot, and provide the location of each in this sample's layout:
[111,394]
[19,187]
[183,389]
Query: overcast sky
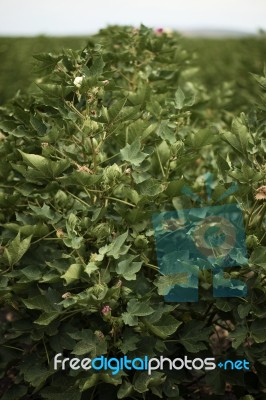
[66,17]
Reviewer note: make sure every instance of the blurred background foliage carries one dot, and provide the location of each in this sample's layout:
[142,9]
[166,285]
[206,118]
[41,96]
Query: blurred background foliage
[220,62]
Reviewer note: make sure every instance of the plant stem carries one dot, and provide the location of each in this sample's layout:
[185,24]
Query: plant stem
[120,201]
[70,315]
[109,158]
[160,162]
[251,213]
[78,199]
[43,237]
[13,347]
[93,154]
[46,352]
[263,212]
[154,267]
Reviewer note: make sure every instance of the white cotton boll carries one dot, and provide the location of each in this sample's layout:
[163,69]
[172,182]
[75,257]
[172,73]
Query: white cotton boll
[78,81]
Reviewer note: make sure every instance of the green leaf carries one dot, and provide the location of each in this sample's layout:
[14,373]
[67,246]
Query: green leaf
[140,177]
[15,392]
[90,268]
[224,305]
[46,213]
[82,178]
[166,283]
[117,247]
[246,175]
[194,336]
[55,91]
[243,310]
[165,132]
[46,318]
[216,380]
[129,342]
[74,242]
[222,164]
[38,303]
[239,137]
[32,273]
[34,371]
[129,319]
[90,344]
[241,132]
[124,390]
[48,168]
[174,188]
[179,98]
[170,388]
[16,249]
[115,109]
[258,330]
[97,66]
[141,94]
[93,348]
[151,188]
[128,269]
[165,327]
[133,154]
[127,193]
[8,126]
[261,79]
[202,137]
[38,125]
[238,335]
[128,113]
[73,273]
[90,382]
[155,108]
[258,257]
[138,308]
[144,382]
[47,62]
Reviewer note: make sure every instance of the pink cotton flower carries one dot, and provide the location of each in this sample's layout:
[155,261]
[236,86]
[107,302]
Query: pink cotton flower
[165,30]
[159,31]
[106,310]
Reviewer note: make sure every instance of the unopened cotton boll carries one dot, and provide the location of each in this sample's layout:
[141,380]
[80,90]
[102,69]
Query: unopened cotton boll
[112,173]
[78,81]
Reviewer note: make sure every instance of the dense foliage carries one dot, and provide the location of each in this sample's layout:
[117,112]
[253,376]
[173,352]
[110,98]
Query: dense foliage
[17,66]
[109,135]
[220,62]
